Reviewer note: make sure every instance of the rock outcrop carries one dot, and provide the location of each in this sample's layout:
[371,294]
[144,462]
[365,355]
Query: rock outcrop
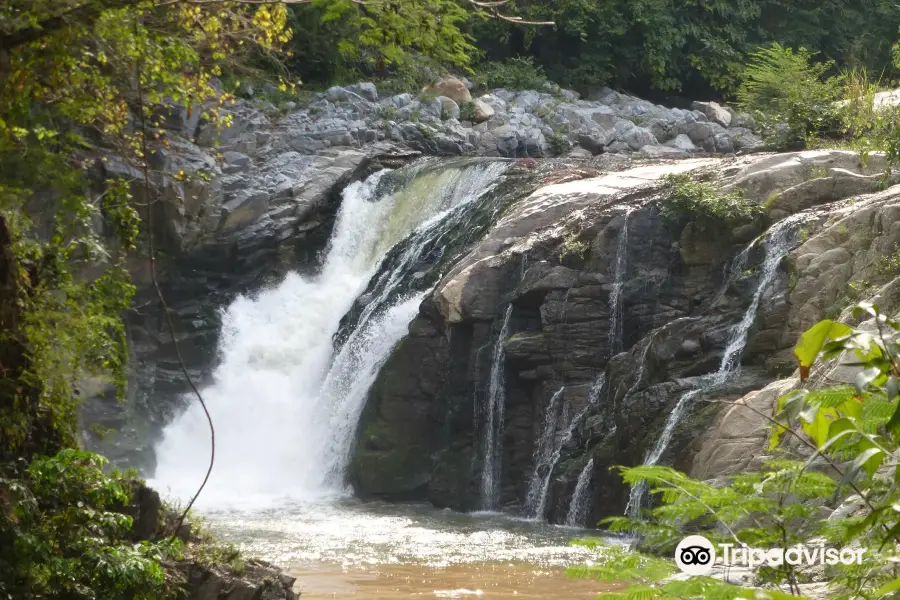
[606,301]
[626,314]
[237,204]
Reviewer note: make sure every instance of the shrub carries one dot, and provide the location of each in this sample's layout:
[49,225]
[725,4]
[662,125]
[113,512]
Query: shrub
[514,74]
[467,111]
[789,95]
[701,203]
[559,143]
[63,534]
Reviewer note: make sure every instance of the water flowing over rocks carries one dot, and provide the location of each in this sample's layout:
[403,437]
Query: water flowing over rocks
[240,204]
[556,261]
[566,278]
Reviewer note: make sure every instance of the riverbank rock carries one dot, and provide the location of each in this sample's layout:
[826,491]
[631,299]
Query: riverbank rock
[258,581]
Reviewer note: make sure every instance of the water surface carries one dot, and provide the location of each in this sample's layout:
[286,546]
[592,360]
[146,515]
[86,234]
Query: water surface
[344,548]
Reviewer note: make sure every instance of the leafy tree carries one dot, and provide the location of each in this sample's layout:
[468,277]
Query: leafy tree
[695,47]
[790,95]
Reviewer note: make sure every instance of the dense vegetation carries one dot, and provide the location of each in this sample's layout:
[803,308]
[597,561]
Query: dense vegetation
[834,448]
[86,81]
[664,46]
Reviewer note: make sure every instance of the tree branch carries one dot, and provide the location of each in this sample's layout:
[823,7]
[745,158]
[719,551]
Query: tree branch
[85,13]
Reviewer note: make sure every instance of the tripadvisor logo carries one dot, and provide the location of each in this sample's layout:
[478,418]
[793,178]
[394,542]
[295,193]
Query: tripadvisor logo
[696,555]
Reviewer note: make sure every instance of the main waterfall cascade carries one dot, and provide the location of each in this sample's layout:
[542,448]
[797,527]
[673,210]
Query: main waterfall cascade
[284,401]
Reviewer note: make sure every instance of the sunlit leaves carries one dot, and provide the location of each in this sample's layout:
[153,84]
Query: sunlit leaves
[813,341]
[71,538]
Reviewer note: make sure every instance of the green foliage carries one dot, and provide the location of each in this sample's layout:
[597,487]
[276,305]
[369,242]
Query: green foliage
[888,265]
[467,111]
[513,74]
[76,75]
[63,535]
[79,81]
[337,40]
[559,143]
[789,95]
[573,246]
[704,205]
[849,434]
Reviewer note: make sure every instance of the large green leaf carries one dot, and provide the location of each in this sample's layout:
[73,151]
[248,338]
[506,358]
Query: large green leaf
[888,588]
[813,340]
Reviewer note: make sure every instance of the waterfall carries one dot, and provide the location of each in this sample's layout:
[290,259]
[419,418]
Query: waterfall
[777,244]
[493,430]
[596,388]
[545,458]
[615,295]
[550,449]
[578,509]
[284,398]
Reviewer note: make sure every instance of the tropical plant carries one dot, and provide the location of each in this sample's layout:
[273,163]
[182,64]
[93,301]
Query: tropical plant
[705,205]
[790,95]
[63,534]
[838,485]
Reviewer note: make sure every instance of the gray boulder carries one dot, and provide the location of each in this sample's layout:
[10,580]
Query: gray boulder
[714,112]
[637,138]
[682,142]
[449,109]
[482,111]
[366,90]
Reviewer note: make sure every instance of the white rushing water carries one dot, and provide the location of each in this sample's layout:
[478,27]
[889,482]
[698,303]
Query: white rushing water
[777,243]
[492,443]
[546,456]
[284,404]
[581,498]
[616,317]
[550,448]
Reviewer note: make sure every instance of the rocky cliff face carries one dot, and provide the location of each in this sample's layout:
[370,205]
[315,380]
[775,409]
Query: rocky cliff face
[239,204]
[582,314]
[606,317]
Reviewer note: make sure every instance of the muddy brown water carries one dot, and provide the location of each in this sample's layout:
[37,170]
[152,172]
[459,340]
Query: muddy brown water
[346,549]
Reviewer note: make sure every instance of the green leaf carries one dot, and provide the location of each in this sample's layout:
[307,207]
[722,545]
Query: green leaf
[887,588]
[869,461]
[812,341]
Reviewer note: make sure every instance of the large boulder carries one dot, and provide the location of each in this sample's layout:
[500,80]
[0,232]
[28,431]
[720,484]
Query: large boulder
[482,111]
[452,88]
[714,112]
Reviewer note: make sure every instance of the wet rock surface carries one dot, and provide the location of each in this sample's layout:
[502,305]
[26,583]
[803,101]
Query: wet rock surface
[238,206]
[557,259]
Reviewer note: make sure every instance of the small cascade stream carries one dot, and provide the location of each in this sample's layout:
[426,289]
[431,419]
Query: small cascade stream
[616,318]
[546,456]
[581,498]
[549,449]
[777,243]
[492,445]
